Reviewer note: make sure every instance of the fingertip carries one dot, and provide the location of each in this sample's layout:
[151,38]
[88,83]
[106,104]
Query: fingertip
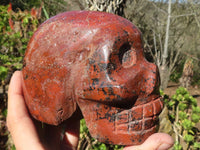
[15,94]
[16,103]
[162,138]
[16,74]
[157,141]
[15,83]
[166,140]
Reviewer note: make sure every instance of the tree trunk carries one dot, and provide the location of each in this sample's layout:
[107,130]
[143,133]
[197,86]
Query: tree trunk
[164,75]
[164,69]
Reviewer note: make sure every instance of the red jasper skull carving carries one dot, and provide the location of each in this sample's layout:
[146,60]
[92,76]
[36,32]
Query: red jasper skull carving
[95,61]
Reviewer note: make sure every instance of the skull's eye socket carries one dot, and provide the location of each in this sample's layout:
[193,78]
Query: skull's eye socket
[127,55]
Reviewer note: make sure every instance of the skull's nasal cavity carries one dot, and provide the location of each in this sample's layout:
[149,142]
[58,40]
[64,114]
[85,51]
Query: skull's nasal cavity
[127,55]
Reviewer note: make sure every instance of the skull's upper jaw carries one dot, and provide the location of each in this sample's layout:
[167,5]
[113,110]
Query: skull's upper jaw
[124,91]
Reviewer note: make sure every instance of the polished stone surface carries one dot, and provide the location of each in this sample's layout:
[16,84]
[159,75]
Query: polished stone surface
[95,61]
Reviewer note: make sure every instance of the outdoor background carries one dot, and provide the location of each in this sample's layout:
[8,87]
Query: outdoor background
[171,37]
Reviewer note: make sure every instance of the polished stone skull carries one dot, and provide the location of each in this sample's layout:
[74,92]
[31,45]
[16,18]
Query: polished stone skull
[94,61]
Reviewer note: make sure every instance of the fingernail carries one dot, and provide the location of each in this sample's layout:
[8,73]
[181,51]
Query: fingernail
[164,146]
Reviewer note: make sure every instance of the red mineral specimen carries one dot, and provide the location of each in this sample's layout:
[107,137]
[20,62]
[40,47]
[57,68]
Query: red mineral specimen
[95,61]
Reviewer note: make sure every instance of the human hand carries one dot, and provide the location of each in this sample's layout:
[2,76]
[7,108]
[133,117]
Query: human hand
[27,133]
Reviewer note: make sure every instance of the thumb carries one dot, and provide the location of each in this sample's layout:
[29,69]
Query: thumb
[157,141]
[19,123]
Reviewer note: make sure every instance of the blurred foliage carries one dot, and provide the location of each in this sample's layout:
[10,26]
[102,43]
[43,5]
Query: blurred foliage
[86,142]
[176,74]
[16,28]
[184,34]
[196,75]
[49,7]
[21,4]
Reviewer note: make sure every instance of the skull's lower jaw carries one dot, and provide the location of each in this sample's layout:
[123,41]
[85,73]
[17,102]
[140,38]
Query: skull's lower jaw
[135,138]
[122,127]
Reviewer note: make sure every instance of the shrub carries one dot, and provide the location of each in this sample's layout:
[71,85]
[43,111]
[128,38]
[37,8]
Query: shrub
[16,28]
[184,114]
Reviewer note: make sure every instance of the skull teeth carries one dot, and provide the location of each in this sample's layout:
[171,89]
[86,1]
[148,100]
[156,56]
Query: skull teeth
[139,118]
